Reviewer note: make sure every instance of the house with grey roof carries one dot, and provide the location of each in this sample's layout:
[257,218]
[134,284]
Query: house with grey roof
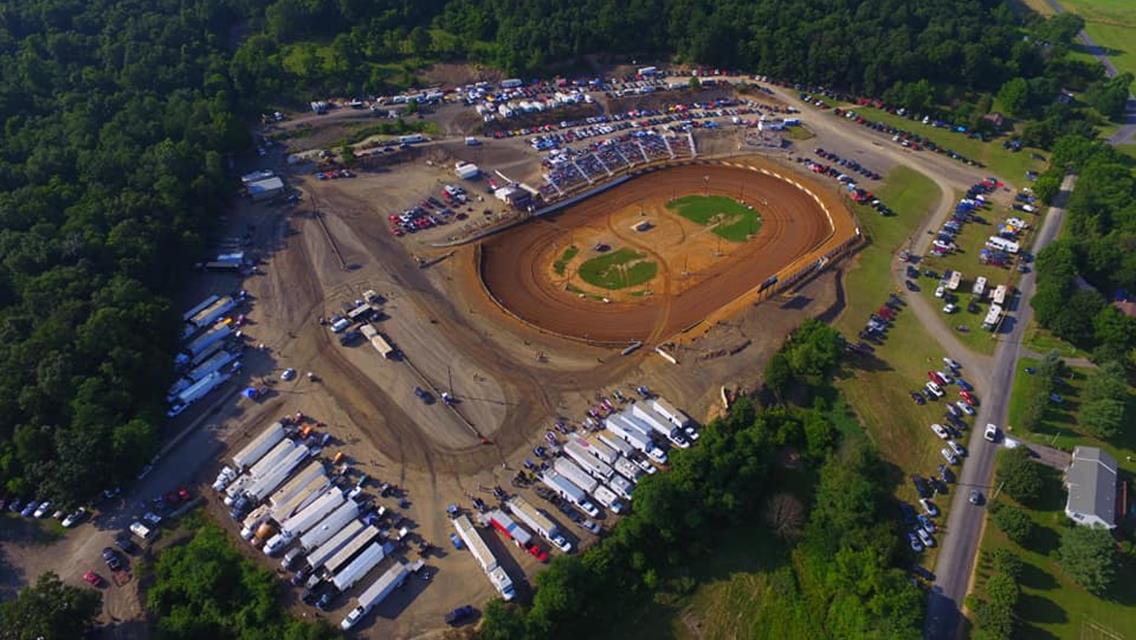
[1091,481]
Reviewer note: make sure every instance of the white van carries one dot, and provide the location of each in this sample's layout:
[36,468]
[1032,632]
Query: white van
[1002,244]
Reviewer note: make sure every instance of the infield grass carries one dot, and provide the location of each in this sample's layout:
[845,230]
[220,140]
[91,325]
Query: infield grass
[562,262]
[619,269]
[731,220]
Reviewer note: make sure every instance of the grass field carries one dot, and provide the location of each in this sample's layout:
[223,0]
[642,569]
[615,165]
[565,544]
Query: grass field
[1112,25]
[731,220]
[562,262]
[618,269]
[878,387]
[800,133]
[1052,605]
[1009,166]
[1042,341]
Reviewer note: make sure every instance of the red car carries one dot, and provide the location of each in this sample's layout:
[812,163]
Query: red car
[92,578]
[933,376]
[178,496]
[969,397]
[538,552]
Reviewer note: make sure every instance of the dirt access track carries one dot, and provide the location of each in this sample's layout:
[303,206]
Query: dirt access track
[802,221]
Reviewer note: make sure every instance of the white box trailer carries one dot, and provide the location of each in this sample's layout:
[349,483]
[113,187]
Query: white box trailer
[213,312]
[310,515]
[307,495]
[539,522]
[260,445]
[359,567]
[199,307]
[628,469]
[596,448]
[614,441]
[216,334]
[476,545]
[213,363]
[634,436]
[330,525]
[1002,244]
[668,411]
[566,489]
[573,472]
[272,458]
[337,542]
[261,489]
[594,466]
[340,558]
[297,484]
[197,391]
[608,499]
[376,593]
[661,425]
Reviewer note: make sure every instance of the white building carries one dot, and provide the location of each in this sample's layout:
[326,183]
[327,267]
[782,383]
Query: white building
[1091,481]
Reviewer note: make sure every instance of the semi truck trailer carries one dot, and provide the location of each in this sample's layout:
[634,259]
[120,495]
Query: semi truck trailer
[361,565]
[578,450]
[330,525]
[328,549]
[573,472]
[538,521]
[565,488]
[472,539]
[340,558]
[661,425]
[376,593]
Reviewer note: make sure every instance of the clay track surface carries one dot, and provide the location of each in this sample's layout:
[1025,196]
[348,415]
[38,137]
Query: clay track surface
[795,231]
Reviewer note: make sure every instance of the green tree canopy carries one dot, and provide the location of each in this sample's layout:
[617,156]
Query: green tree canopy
[49,609]
[1022,476]
[1089,556]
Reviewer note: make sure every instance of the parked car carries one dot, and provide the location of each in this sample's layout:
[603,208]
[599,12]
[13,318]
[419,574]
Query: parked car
[934,389]
[918,398]
[940,431]
[913,540]
[929,507]
[925,537]
[460,615]
[926,523]
[110,557]
[74,518]
[949,455]
[976,497]
[43,510]
[969,397]
[957,448]
[92,578]
[965,407]
[951,363]
[946,474]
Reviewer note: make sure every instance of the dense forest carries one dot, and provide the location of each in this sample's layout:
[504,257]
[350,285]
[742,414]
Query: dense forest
[117,115]
[861,46]
[839,575]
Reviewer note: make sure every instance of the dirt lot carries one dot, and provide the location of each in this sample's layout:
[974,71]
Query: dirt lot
[509,378]
[693,281]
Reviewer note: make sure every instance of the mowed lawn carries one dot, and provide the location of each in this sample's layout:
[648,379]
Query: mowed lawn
[562,262]
[731,220]
[1001,162]
[1052,604]
[1111,24]
[618,269]
[878,387]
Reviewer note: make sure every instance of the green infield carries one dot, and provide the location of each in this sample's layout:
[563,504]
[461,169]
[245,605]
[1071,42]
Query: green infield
[562,262]
[731,220]
[619,269]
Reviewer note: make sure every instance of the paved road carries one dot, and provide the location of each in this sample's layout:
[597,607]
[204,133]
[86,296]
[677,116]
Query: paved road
[1127,131]
[964,525]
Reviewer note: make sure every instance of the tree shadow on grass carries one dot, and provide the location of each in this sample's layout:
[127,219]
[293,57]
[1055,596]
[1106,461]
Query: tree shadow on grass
[1045,541]
[1034,577]
[1034,633]
[1040,610]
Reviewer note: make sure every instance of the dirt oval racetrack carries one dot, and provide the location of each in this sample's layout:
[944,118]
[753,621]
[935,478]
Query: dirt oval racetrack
[800,224]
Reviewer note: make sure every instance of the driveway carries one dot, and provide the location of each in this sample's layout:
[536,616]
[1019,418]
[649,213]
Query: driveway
[960,546]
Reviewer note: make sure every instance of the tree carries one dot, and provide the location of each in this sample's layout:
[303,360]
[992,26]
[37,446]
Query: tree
[1015,523]
[1015,96]
[1006,562]
[50,609]
[778,375]
[1089,556]
[347,153]
[1021,475]
[1105,401]
[694,84]
[785,515]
